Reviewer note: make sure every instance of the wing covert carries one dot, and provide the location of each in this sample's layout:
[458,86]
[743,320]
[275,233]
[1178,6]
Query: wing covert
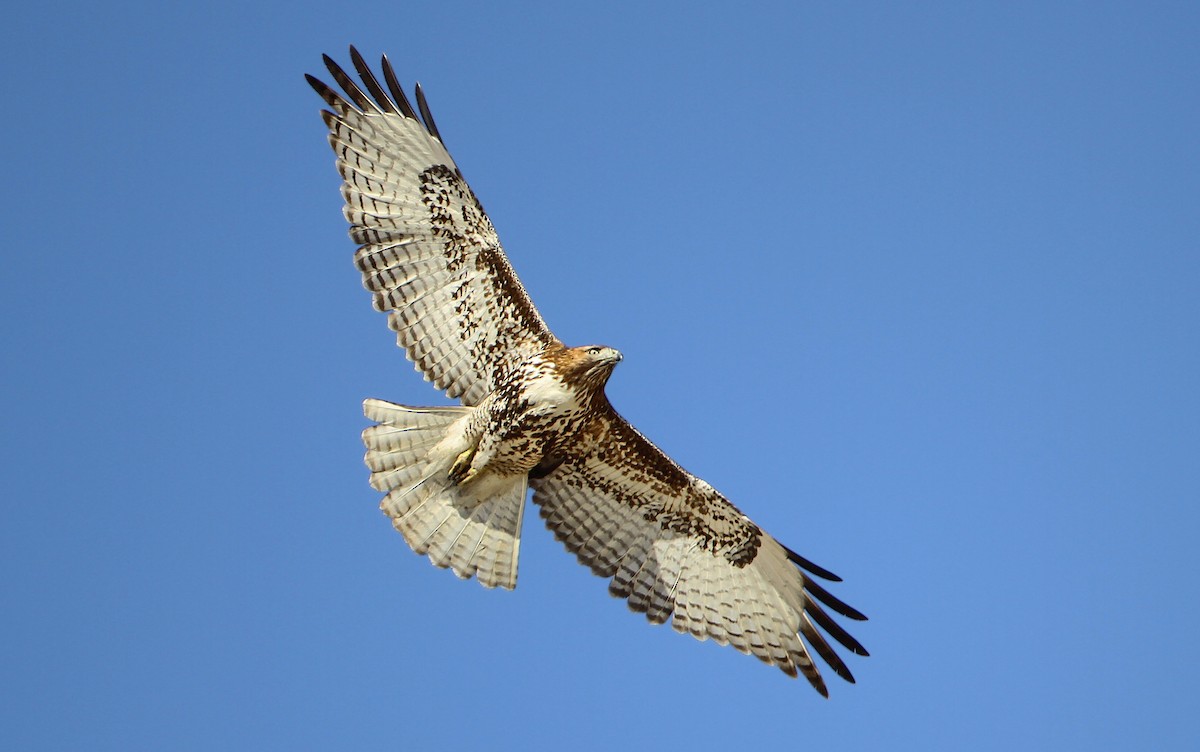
[427,251]
[676,548]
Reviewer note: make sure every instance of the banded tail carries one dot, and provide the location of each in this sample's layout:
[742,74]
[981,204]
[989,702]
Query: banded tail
[474,529]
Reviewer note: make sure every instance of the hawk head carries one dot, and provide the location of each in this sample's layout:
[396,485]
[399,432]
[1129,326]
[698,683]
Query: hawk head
[600,358]
[588,367]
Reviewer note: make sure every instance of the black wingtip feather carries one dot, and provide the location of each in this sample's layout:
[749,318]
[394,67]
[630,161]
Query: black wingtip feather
[361,100]
[398,96]
[364,72]
[329,95]
[834,630]
[832,601]
[819,684]
[809,567]
[827,653]
[427,116]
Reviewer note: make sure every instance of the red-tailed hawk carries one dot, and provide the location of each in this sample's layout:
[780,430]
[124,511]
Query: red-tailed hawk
[534,414]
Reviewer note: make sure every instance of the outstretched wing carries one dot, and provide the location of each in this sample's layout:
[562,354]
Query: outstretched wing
[427,251]
[675,547]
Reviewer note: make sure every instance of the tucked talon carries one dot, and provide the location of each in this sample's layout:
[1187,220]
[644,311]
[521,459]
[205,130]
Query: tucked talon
[460,471]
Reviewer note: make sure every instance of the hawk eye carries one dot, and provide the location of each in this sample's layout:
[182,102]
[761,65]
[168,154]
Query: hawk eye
[593,351]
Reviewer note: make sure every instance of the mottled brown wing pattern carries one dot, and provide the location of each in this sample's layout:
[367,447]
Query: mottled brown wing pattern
[427,251]
[676,548]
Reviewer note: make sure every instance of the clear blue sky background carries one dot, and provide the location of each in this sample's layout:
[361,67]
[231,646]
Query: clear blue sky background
[916,284]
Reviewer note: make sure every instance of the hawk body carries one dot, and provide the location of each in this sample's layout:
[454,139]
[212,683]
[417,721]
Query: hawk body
[534,414]
[524,423]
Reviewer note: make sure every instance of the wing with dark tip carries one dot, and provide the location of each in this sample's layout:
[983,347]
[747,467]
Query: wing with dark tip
[676,549]
[427,251]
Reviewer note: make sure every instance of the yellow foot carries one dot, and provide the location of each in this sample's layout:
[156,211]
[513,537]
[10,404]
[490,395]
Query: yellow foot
[460,471]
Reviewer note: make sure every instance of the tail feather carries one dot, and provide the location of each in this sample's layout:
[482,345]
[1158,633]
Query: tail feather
[393,445]
[482,540]
[473,530]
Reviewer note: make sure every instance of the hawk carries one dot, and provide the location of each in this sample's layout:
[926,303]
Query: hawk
[534,415]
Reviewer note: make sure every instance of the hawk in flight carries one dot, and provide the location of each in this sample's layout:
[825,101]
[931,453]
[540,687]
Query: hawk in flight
[534,415]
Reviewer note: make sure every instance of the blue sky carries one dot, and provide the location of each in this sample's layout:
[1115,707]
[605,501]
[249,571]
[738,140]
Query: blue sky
[915,285]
